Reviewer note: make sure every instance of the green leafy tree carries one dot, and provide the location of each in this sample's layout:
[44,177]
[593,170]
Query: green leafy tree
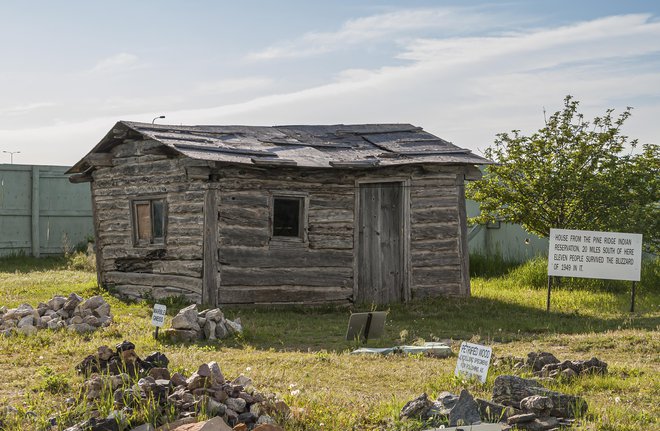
[573,174]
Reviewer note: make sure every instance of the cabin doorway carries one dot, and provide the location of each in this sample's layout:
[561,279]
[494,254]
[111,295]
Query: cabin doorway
[381,243]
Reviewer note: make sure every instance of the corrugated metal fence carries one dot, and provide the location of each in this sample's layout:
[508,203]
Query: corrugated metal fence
[41,212]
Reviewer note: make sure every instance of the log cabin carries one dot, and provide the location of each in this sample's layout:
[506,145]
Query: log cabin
[368,213]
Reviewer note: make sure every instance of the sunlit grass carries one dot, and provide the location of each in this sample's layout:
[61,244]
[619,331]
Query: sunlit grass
[299,348]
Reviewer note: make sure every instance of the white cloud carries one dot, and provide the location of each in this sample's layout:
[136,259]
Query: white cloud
[26,108]
[236,85]
[118,62]
[377,27]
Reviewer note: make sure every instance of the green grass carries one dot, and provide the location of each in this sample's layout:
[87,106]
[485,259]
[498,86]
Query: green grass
[302,349]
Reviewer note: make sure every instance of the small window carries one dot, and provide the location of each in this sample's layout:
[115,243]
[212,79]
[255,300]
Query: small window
[149,221]
[288,217]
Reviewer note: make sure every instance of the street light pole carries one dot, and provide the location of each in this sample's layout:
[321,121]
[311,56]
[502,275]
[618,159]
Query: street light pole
[11,155]
[156,118]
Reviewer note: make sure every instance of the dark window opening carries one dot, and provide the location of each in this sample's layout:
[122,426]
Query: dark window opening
[287,216]
[149,221]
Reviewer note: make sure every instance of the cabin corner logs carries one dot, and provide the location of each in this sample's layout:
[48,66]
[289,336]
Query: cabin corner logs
[407,241]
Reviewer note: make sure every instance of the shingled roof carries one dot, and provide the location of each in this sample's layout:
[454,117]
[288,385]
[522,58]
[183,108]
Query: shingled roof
[329,146]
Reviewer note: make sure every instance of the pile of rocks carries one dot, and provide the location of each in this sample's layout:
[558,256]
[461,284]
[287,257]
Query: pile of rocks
[73,313]
[138,384]
[523,403]
[545,364]
[190,325]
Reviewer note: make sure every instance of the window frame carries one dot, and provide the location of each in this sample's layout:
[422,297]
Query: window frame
[302,237]
[151,240]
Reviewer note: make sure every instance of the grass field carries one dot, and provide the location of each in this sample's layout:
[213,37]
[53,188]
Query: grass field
[299,353]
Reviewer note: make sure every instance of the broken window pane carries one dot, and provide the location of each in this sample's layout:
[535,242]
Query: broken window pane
[287,216]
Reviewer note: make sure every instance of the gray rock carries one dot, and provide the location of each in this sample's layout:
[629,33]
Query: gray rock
[242,381]
[214,408]
[102,310]
[221,330]
[56,302]
[541,406]
[24,310]
[465,411]
[493,412]
[71,303]
[181,335]
[93,302]
[216,372]
[92,321]
[26,321]
[537,360]
[233,327]
[215,315]
[510,390]
[75,320]
[209,329]
[186,319]
[521,418]
[416,408]
[27,330]
[236,404]
[81,328]
[265,419]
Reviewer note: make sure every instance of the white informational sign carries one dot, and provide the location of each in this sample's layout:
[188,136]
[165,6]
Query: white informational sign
[158,318]
[590,254]
[473,360]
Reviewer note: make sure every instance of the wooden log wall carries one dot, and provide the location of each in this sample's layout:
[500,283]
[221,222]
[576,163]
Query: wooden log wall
[256,268]
[252,267]
[157,270]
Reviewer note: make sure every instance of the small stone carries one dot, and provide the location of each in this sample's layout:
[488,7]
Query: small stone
[416,408]
[521,418]
[124,345]
[242,381]
[76,320]
[177,379]
[539,405]
[102,310]
[81,328]
[159,373]
[104,353]
[233,327]
[186,319]
[27,320]
[181,335]
[92,321]
[27,330]
[214,368]
[158,359]
[221,330]
[56,302]
[465,411]
[236,404]
[215,315]
[265,419]
[209,330]
[93,302]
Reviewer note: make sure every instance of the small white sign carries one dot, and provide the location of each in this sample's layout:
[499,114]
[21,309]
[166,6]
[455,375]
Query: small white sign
[590,254]
[473,360]
[158,318]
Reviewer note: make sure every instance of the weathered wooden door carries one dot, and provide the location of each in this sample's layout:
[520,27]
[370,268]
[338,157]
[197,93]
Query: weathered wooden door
[380,271]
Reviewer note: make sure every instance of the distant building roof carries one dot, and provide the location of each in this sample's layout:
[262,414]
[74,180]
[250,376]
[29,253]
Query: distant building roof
[330,146]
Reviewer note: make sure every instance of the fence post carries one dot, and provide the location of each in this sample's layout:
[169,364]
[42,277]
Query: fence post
[35,211]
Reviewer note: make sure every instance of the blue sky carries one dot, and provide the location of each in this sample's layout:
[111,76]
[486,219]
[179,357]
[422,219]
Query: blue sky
[464,70]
